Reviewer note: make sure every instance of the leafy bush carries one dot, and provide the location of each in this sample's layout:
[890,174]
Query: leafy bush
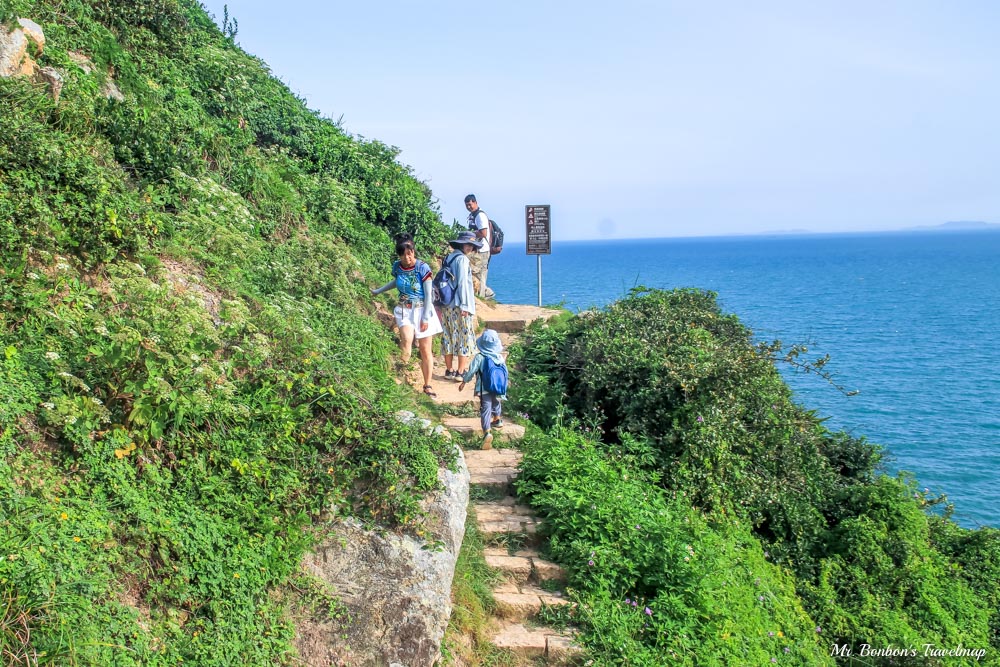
[670,371]
[657,582]
[977,554]
[684,402]
[61,192]
[880,579]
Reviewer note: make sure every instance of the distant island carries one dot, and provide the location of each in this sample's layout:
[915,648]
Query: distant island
[956,225]
[952,226]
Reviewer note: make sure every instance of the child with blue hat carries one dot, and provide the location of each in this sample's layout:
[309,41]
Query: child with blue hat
[490,371]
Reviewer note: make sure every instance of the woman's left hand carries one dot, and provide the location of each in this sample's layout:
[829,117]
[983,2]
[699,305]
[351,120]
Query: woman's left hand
[424,325]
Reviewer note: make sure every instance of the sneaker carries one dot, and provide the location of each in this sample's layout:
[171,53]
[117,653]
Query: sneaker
[487,441]
[496,423]
[448,374]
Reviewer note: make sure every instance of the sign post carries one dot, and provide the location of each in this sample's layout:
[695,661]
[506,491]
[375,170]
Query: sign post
[538,236]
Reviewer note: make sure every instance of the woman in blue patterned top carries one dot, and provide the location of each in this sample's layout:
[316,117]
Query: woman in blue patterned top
[415,314]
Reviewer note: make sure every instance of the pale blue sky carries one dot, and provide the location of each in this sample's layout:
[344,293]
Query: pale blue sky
[641,119]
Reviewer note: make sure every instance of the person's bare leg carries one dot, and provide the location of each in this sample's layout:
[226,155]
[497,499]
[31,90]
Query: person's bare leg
[405,343]
[425,346]
[448,361]
[463,364]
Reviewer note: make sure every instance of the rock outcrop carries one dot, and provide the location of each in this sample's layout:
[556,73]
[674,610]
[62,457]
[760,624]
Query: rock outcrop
[397,589]
[53,79]
[15,60]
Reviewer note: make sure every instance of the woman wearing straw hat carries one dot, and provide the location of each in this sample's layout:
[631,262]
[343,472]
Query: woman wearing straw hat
[459,317]
[415,314]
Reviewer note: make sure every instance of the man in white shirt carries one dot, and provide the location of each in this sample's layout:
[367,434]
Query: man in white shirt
[479,222]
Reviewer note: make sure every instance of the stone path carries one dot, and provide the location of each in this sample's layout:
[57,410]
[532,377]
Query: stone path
[509,529]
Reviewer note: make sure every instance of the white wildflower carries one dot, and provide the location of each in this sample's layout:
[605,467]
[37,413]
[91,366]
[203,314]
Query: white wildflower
[52,356]
[34,276]
[49,406]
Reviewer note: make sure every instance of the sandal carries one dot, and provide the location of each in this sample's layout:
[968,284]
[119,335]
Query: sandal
[429,390]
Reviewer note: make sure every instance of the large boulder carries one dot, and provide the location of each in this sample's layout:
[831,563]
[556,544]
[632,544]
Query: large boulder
[14,57]
[33,31]
[13,51]
[397,589]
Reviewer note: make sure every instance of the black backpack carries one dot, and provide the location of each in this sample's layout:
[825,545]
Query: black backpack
[496,234]
[496,238]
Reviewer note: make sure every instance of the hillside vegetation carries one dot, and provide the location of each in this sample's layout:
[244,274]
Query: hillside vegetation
[707,519]
[193,386]
[192,381]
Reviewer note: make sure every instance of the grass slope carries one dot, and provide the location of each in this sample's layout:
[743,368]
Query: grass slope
[191,379]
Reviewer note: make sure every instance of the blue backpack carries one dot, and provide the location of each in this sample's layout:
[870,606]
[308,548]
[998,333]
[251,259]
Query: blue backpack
[444,285]
[494,377]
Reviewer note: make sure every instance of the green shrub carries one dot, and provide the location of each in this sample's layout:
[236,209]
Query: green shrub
[61,192]
[670,370]
[683,402]
[977,554]
[657,582]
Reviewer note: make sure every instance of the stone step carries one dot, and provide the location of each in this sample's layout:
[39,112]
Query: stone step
[472,426]
[504,510]
[501,522]
[516,569]
[446,389]
[537,642]
[560,649]
[507,326]
[499,480]
[523,565]
[511,318]
[493,468]
[523,601]
[488,459]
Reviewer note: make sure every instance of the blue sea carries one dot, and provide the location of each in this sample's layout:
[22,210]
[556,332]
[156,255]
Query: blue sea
[910,320]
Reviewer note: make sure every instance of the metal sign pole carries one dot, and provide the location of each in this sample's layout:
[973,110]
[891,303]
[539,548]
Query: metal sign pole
[539,258]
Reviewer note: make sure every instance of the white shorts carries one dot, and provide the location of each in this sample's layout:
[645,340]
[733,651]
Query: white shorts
[410,317]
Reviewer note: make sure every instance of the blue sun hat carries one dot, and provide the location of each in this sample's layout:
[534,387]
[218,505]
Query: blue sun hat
[489,344]
[466,237]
